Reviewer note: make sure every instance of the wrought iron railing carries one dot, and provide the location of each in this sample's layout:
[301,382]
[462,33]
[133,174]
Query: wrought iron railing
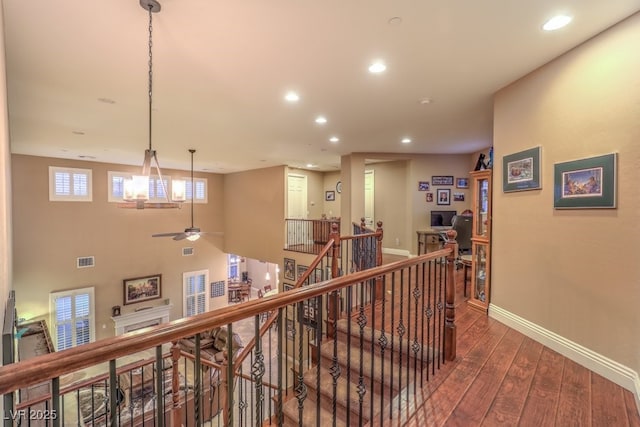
[321,353]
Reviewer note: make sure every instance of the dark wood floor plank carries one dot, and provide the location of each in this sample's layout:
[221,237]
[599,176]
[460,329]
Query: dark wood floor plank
[574,405]
[445,399]
[608,407]
[510,399]
[542,402]
[483,390]
[632,408]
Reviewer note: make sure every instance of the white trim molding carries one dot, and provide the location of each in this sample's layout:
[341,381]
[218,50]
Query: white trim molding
[401,252]
[622,375]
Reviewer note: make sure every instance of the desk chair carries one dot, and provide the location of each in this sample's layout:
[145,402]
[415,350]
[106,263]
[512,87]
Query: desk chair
[463,226]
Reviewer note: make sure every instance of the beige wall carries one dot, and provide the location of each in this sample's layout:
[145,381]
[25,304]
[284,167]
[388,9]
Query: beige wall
[574,272]
[49,236]
[254,209]
[5,189]
[332,208]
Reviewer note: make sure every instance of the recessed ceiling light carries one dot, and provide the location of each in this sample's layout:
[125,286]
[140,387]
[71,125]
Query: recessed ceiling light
[406,140]
[291,96]
[425,101]
[106,100]
[556,22]
[321,120]
[77,132]
[334,139]
[377,67]
[396,20]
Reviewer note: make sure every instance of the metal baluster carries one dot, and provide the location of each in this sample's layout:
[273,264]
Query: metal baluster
[401,331]
[230,368]
[112,392]
[281,327]
[382,341]
[55,402]
[335,367]
[258,372]
[362,322]
[393,336]
[301,387]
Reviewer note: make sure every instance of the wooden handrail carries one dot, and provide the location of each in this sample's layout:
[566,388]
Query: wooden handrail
[53,365]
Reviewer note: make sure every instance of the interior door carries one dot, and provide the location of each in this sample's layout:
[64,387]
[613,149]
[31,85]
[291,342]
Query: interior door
[369,191]
[296,208]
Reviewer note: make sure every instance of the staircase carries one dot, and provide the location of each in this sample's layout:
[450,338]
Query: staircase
[381,377]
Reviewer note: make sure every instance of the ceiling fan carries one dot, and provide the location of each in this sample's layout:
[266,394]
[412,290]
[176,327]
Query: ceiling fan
[190,233]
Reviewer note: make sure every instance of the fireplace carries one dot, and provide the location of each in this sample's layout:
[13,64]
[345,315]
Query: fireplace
[142,318]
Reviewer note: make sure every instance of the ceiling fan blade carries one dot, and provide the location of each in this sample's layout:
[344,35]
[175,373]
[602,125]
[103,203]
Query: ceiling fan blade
[180,236]
[213,233]
[167,234]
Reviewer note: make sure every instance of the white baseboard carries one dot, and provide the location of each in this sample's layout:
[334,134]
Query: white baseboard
[391,251]
[622,375]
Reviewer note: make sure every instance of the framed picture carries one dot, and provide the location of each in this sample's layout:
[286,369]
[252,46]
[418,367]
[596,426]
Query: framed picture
[442,180]
[458,197]
[585,184]
[217,289]
[443,196]
[462,182]
[330,196]
[287,287]
[423,186]
[141,289]
[290,269]
[521,171]
[115,311]
[301,270]
[429,197]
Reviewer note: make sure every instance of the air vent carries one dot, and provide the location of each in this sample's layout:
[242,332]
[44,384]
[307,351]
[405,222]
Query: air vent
[85,262]
[187,251]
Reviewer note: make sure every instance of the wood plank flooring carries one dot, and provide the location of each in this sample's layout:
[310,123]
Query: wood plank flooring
[501,377]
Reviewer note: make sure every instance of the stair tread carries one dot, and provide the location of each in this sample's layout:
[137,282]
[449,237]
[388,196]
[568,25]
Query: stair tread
[326,391]
[425,353]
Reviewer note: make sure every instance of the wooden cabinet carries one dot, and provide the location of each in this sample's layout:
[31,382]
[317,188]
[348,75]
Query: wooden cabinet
[428,241]
[481,240]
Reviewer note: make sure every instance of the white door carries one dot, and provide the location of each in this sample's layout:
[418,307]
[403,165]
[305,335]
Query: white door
[369,191]
[297,196]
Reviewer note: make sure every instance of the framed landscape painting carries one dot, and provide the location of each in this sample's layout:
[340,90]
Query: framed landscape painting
[141,289]
[586,183]
[521,171]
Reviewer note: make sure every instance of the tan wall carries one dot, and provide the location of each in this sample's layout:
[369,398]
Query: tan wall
[574,272]
[254,209]
[5,189]
[332,208]
[49,236]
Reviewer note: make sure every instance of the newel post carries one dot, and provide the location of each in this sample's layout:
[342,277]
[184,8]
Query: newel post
[379,291]
[332,306]
[450,296]
[175,385]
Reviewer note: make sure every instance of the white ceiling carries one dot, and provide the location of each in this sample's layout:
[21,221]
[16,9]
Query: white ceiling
[221,69]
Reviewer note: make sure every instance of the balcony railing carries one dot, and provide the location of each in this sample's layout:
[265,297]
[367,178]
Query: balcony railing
[338,348]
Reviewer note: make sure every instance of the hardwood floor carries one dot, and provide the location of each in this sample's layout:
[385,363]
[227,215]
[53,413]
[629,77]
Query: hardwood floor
[501,377]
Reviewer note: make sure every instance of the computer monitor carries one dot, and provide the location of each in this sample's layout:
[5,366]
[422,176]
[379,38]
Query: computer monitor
[442,218]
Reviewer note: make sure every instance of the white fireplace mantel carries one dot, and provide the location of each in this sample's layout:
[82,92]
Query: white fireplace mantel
[142,318]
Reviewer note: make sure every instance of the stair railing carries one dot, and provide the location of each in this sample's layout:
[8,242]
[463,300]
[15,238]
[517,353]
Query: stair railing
[417,288]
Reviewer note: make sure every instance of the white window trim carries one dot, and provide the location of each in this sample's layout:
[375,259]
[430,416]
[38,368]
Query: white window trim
[53,197]
[53,330]
[185,277]
[196,180]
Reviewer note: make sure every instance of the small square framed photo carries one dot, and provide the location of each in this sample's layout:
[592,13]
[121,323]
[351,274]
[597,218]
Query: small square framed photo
[423,185]
[429,197]
[443,196]
[330,195]
[462,182]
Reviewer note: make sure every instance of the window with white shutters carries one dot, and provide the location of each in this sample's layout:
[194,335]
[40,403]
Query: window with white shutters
[196,299]
[200,196]
[70,185]
[72,317]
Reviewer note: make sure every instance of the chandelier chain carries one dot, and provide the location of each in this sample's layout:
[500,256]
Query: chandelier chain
[150,68]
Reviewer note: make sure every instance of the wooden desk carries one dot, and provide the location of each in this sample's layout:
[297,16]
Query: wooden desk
[428,241]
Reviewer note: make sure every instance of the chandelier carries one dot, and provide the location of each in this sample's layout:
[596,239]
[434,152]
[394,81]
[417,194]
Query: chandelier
[136,189]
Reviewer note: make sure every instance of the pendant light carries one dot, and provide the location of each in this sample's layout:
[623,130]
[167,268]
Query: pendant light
[136,189]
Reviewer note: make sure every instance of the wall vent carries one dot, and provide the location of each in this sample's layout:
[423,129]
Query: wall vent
[187,251]
[85,262]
